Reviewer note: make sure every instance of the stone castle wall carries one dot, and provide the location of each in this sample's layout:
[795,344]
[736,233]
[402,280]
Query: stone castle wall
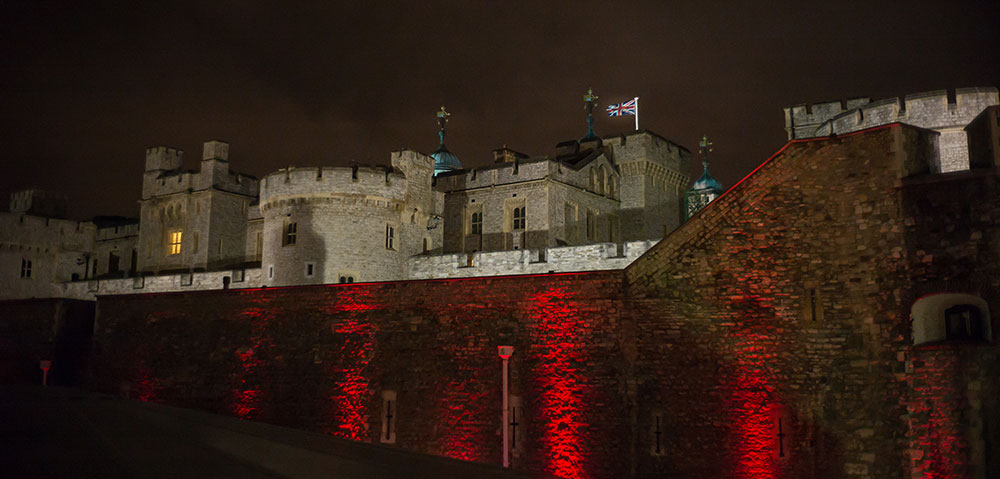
[56,248]
[601,256]
[933,110]
[795,314]
[776,342]
[323,357]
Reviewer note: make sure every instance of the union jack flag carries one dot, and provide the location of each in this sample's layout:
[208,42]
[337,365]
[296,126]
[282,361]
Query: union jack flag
[626,108]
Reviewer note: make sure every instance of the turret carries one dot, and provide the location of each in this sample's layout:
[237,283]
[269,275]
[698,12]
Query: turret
[163,158]
[215,162]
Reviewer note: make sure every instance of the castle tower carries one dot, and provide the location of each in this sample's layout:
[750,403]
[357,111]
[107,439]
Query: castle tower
[193,220]
[652,183]
[705,189]
[444,160]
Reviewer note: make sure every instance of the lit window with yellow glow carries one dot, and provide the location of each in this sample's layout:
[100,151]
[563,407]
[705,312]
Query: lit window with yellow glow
[174,244]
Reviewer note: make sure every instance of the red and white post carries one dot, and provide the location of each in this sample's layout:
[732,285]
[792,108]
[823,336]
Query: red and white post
[505,353]
[45,365]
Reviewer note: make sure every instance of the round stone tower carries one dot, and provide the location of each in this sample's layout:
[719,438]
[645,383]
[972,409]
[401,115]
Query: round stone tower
[335,224]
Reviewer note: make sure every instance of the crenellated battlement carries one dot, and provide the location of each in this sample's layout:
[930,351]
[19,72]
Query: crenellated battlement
[327,181]
[934,109]
[645,145]
[163,158]
[496,174]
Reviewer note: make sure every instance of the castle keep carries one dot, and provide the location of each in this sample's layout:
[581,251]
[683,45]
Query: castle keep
[832,315]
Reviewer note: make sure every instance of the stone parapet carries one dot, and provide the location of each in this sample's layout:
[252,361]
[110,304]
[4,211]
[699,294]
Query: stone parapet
[594,257]
[164,283]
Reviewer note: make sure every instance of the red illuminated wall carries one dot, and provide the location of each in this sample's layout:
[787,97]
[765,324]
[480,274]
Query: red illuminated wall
[319,357]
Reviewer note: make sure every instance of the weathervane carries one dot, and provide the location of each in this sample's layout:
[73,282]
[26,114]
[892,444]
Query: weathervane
[442,120]
[704,147]
[591,100]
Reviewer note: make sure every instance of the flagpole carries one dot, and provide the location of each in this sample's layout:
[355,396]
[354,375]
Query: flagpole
[636,113]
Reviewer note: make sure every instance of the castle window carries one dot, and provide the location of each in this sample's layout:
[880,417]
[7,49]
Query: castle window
[346,278]
[270,272]
[812,305]
[569,222]
[519,218]
[657,433]
[25,268]
[950,317]
[476,223]
[113,262]
[309,269]
[174,242]
[591,226]
[390,237]
[290,234]
[602,177]
[963,322]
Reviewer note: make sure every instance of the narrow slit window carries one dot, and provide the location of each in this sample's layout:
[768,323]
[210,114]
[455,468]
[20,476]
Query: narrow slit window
[390,237]
[390,412]
[26,268]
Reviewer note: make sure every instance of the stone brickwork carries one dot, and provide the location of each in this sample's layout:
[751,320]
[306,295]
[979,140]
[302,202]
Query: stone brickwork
[934,110]
[322,357]
[653,182]
[557,198]
[38,253]
[361,223]
[624,187]
[771,336]
[209,208]
[595,257]
[784,307]
[115,249]
[92,288]
[984,139]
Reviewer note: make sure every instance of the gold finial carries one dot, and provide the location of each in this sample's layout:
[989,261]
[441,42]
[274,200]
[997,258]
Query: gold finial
[705,145]
[590,97]
[443,114]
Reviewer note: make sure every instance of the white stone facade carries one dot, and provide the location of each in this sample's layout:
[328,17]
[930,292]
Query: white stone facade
[214,229]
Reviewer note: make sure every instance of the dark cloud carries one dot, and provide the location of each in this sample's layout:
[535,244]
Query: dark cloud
[87,86]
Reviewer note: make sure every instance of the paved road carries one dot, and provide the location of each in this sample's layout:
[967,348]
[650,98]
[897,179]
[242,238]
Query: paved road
[65,433]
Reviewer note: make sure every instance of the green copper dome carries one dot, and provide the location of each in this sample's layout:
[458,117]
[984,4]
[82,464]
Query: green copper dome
[445,160]
[706,182]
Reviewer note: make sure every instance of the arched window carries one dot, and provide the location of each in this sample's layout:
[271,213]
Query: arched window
[950,317]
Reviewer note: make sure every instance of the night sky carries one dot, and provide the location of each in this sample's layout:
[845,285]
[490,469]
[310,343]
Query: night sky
[86,87]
